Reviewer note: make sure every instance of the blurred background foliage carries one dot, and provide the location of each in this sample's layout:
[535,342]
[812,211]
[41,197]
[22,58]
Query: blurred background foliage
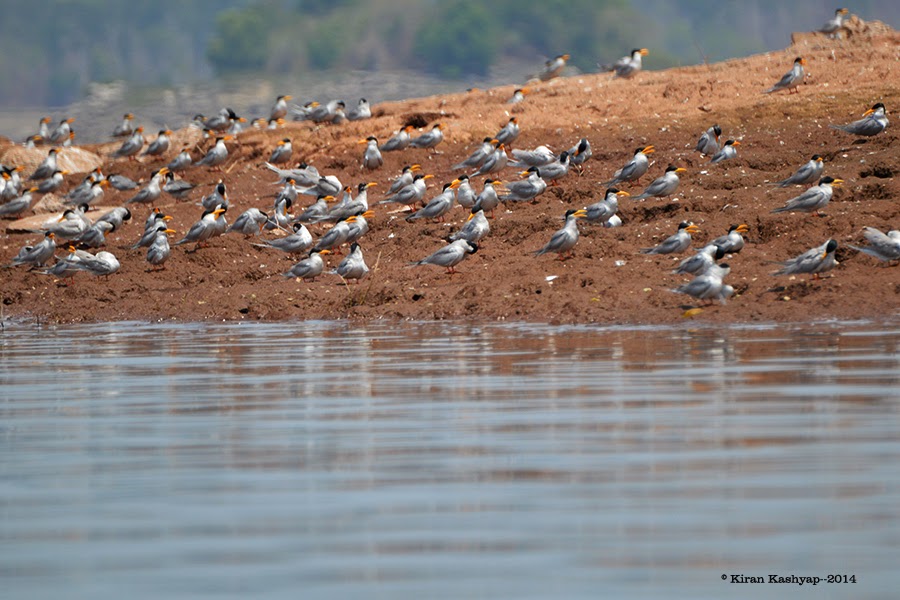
[51,49]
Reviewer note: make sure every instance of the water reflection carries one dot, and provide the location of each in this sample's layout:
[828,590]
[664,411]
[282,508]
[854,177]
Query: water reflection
[445,460]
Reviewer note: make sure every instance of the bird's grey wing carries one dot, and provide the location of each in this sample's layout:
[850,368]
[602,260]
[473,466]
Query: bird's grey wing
[699,287]
[867,127]
[722,240]
[657,187]
[719,156]
[786,79]
[801,175]
[626,172]
[443,257]
[808,199]
[557,241]
[704,140]
[668,246]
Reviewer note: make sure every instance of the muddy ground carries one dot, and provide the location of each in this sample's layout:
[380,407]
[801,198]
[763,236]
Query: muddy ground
[608,280]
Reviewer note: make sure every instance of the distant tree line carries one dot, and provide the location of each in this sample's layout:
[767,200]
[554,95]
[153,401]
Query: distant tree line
[452,38]
[51,49]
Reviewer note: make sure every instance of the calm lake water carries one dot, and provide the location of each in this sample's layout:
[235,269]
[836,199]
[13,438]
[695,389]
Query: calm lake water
[432,460]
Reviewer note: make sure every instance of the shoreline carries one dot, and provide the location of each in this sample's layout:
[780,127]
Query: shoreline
[20,323]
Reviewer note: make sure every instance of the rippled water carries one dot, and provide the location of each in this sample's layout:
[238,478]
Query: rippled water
[428,460]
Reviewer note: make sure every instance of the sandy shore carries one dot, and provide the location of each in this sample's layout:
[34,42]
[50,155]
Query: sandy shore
[608,280]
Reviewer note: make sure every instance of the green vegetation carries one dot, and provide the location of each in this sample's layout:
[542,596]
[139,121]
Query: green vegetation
[240,42]
[458,40]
